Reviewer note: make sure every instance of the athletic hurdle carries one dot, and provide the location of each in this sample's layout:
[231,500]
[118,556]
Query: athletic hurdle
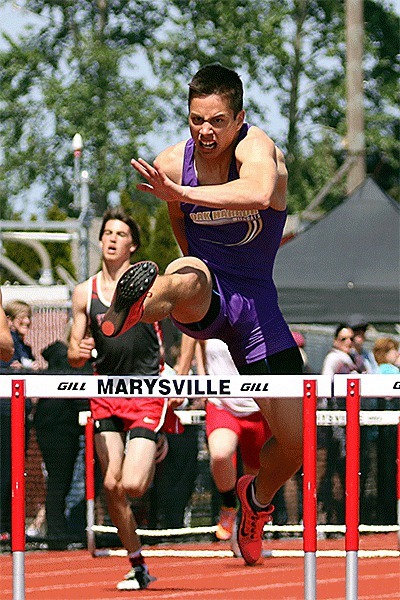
[311,418]
[80,386]
[305,387]
[353,389]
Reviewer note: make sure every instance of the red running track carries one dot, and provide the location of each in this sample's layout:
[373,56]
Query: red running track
[76,575]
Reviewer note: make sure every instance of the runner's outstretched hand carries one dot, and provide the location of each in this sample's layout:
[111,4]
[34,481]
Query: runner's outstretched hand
[158,183]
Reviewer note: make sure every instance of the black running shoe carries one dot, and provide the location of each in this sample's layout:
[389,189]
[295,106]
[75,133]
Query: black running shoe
[127,304]
[138,578]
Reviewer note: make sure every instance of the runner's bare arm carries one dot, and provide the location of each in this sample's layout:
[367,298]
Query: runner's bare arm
[258,175]
[80,345]
[178,226]
[186,355]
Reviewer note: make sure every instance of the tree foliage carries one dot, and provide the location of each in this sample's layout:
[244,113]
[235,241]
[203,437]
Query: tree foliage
[82,71]
[295,48]
[163,248]
[78,73]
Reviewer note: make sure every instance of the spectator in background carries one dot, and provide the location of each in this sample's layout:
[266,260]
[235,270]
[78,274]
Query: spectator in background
[386,352]
[340,357]
[361,355]
[366,363]
[6,341]
[58,433]
[338,360]
[6,353]
[18,315]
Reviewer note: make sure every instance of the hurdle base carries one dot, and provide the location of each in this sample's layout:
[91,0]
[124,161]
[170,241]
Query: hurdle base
[352,575]
[310,576]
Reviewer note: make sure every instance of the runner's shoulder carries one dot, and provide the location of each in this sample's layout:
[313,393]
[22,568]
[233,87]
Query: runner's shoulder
[258,141]
[170,161]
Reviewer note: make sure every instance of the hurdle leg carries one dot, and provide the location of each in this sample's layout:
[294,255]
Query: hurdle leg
[398,483]
[310,488]
[352,486]
[90,488]
[18,487]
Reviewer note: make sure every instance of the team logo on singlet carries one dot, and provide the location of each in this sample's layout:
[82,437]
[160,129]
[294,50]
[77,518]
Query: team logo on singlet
[227,216]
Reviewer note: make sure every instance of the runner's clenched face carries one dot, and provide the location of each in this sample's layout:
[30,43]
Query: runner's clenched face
[213,125]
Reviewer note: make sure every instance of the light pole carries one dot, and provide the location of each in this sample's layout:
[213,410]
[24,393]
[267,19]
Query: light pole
[77,146]
[82,203]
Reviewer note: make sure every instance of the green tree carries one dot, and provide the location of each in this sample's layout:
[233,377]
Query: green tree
[79,72]
[163,248]
[295,48]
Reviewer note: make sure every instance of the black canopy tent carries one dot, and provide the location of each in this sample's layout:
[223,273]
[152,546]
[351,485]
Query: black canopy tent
[346,263]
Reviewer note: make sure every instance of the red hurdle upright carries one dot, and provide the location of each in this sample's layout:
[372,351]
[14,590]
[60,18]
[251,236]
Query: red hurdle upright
[90,487]
[310,488]
[352,491]
[18,487]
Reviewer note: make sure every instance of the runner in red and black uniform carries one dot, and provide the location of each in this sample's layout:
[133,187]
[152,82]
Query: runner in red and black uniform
[127,437]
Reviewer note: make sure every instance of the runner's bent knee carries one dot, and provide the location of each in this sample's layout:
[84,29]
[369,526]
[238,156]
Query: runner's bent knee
[194,296]
[188,264]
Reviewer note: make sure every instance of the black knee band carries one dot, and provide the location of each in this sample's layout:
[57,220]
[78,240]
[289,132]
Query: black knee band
[142,432]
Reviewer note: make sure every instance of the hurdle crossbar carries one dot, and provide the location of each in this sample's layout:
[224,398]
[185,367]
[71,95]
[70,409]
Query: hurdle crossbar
[186,386]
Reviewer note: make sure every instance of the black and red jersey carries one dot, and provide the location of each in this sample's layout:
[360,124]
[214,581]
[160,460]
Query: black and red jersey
[138,351]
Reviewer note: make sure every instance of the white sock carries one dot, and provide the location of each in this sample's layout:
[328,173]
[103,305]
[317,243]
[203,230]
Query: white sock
[254,499]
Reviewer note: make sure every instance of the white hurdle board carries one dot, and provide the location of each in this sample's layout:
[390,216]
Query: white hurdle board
[186,386]
[371,386]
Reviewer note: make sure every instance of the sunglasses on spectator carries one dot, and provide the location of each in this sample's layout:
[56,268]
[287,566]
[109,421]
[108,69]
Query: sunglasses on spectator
[343,339]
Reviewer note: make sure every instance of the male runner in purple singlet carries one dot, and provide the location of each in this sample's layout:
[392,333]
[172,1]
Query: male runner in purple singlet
[226,194]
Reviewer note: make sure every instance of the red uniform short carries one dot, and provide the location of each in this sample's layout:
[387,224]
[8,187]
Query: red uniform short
[252,430]
[148,413]
[133,412]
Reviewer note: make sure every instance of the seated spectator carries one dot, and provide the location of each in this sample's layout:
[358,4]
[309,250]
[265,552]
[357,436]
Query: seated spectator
[386,352]
[19,315]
